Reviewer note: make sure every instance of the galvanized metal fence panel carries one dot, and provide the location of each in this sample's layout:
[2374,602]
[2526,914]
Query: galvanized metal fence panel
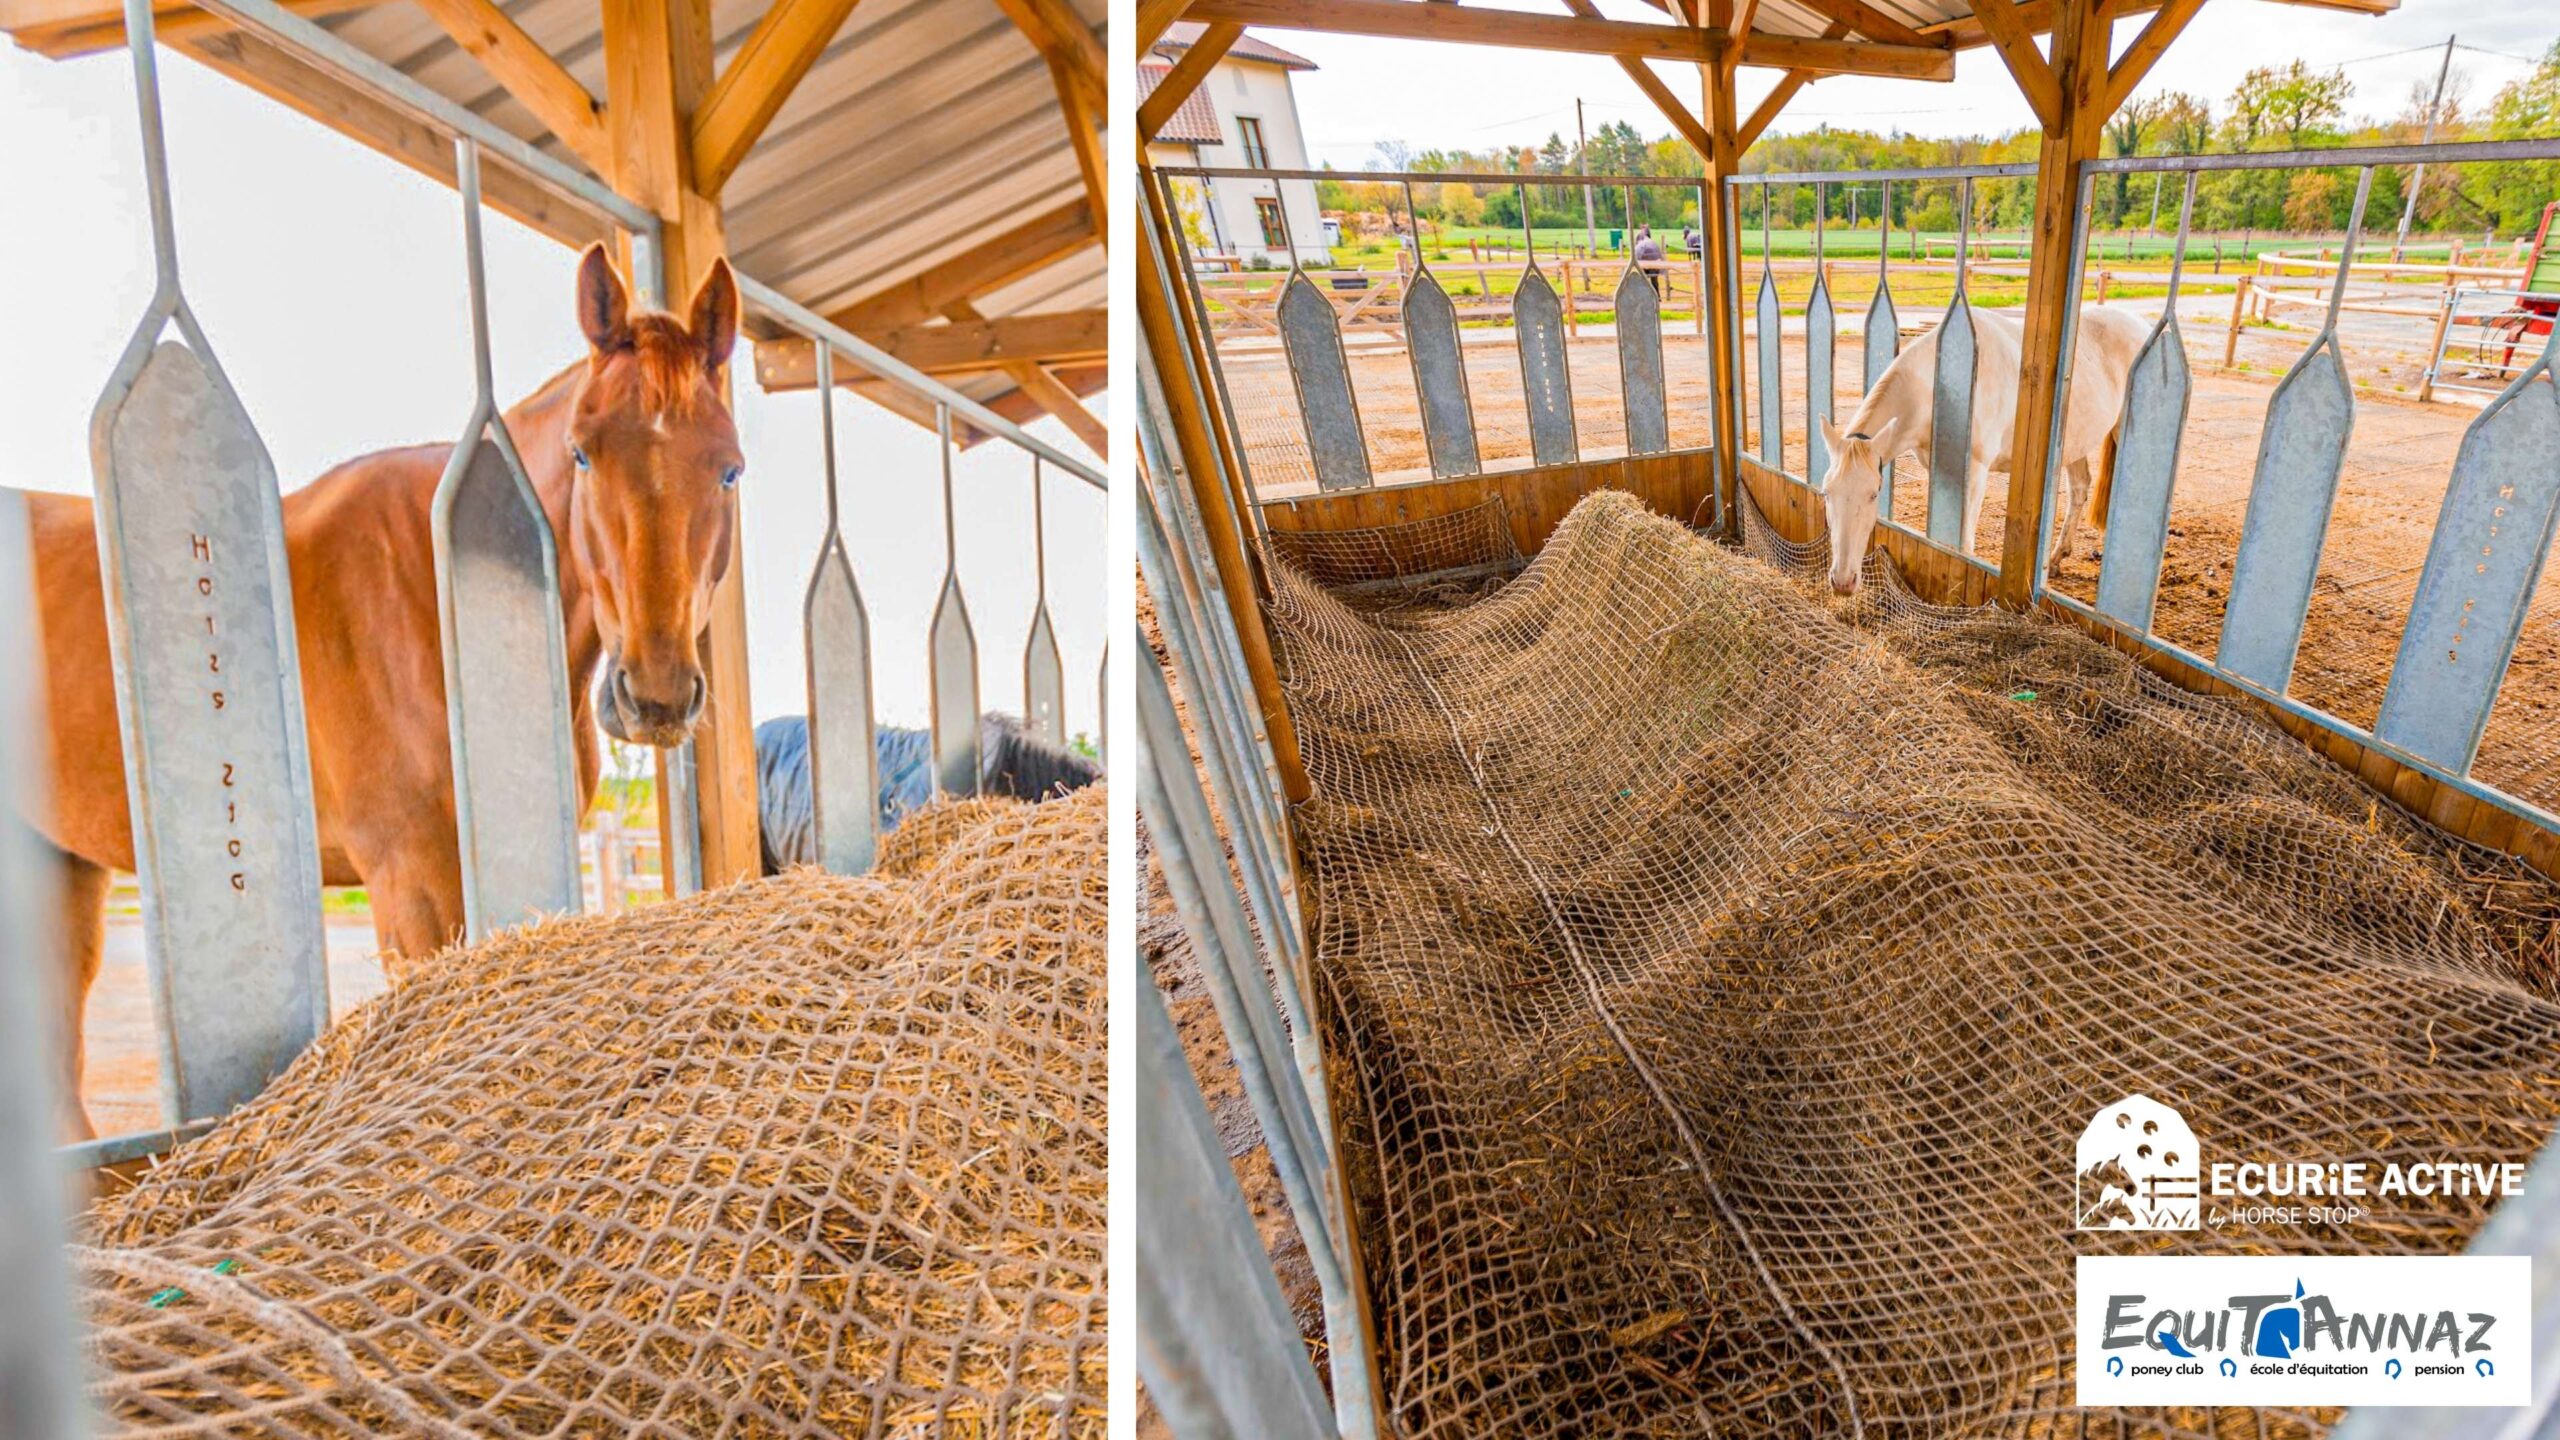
[2300,455]
[1638,306]
[208,693]
[2482,569]
[2148,438]
[1821,344]
[844,766]
[1432,341]
[1537,318]
[1773,420]
[39,1329]
[1951,423]
[952,656]
[517,800]
[1216,1344]
[1044,674]
[1884,327]
[1312,335]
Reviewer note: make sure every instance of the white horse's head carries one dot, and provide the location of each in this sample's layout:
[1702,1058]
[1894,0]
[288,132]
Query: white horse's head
[1849,491]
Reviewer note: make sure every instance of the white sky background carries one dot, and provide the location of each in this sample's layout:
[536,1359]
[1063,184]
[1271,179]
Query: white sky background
[329,281]
[1369,90]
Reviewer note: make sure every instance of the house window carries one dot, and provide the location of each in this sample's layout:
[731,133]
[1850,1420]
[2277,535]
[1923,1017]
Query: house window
[1274,234]
[1257,156]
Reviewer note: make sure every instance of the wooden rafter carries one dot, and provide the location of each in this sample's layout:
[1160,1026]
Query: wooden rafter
[1462,24]
[1044,389]
[2147,48]
[761,76]
[1082,108]
[1155,17]
[1778,96]
[1017,406]
[64,29]
[1031,246]
[1197,61]
[1690,126]
[1850,57]
[1871,23]
[1055,30]
[962,346]
[519,64]
[2017,46]
[1967,33]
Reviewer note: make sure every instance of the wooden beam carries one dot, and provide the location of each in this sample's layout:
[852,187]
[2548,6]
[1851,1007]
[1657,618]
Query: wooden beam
[2146,48]
[1464,25]
[67,29]
[1082,108]
[1850,57]
[356,113]
[1197,61]
[1776,100]
[657,63]
[1868,21]
[959,347]
[2017,46]
[1015,405]
[761,76]
[1055,30]
[1745,12]
[2080,66]
[1155,17]
[1689,126]
[1055,396]
[1723,158]
[1966,33]
[1036,244]
[519,64]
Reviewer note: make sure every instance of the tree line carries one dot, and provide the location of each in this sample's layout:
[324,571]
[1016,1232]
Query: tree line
[2274,108]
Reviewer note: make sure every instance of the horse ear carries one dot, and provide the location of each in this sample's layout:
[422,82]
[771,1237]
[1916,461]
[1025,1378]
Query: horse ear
[1831,437]
[604,306]
[714,320]
[1884,438]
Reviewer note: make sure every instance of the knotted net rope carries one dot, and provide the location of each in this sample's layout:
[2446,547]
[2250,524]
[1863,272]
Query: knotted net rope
[812,1156]
[1718,981]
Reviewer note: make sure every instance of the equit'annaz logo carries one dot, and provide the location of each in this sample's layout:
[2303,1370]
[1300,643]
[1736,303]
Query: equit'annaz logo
[2137,1169]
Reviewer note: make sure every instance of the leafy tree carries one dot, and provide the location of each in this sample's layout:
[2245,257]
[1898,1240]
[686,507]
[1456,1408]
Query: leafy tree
[2510,194]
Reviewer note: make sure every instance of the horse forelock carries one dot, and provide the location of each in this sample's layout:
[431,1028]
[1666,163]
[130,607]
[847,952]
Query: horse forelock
[664,376]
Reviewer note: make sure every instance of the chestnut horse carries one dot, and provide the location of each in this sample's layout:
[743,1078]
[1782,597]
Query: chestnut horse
[636,460]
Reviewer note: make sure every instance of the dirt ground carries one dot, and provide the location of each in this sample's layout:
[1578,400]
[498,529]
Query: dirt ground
[2399,459]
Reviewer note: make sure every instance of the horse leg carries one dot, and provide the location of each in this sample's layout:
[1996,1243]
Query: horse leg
[82,900]
[2074,474]
[417,909]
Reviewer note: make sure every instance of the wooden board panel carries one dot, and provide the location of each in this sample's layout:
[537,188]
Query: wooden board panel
[1677,483]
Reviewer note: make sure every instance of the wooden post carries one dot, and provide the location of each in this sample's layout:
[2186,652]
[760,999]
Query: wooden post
[2079,59]
[1572,298]
[657,70]
[1724,323]
[1162,332]
[2435,343]
[2239,305]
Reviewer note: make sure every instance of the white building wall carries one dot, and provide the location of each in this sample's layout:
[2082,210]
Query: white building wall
[1237,89]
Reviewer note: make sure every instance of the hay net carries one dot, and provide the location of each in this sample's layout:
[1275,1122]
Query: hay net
[1716,985]
[808,1156]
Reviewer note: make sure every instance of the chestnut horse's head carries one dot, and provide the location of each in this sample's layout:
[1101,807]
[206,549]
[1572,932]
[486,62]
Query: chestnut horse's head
[655,504]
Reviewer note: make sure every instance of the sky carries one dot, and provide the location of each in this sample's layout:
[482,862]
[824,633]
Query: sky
[1370,90]
[329,281]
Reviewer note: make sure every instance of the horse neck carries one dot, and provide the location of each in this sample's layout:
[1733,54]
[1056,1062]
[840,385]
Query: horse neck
[539,425]
[1901,393]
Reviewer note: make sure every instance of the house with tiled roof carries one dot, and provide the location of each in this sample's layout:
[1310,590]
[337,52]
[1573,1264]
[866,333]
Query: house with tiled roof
[1244,114]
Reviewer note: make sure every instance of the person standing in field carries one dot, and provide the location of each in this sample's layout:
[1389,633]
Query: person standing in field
[1649,255]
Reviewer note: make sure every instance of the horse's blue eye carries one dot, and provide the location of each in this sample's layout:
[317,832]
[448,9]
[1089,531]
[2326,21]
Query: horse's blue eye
[729,477]
[579,454]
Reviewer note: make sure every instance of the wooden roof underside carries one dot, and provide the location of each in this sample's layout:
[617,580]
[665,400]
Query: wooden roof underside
[924,172]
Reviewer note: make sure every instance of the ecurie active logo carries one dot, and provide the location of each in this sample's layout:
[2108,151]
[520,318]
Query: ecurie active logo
[2136,1169]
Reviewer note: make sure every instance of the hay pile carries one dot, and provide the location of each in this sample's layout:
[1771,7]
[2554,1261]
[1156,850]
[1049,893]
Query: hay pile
[810,1156]
[1719,979]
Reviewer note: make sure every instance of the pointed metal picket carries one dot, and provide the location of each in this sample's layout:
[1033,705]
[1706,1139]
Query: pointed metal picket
[844,765]
[200,630]
[1951,423]
[1044,675]
[1312,335]
[1820,341]
[2492,537]
[2146,470]
[1432,341]
[951,659]
[1773,425]
[1884,341]
[508,706]
[1639,310]
[1537,318]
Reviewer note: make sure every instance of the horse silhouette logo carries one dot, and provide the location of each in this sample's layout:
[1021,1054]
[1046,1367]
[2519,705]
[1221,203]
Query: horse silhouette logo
[2137,1169]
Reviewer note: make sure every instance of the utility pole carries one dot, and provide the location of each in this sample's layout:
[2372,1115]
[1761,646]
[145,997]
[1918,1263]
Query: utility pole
[2418,173]
[1582,162]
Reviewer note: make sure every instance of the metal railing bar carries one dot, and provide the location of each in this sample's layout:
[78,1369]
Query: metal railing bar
[820,330]
[2442,152]
[317,43]
[2024,169]
[1424,177]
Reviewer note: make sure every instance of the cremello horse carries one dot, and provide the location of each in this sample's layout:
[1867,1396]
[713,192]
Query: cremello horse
[1893,420]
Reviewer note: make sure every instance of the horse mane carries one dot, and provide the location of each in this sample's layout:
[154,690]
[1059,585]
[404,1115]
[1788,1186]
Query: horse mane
[1013,761]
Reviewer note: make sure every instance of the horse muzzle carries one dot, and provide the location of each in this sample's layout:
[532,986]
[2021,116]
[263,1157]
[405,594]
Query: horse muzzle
[646,714]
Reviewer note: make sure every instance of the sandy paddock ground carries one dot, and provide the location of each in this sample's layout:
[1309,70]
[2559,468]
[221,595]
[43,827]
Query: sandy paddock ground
[2399,459]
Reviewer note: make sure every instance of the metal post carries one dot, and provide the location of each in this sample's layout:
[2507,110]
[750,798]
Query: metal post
[2418,172]
[952,662]
[1044,676]
[844,765]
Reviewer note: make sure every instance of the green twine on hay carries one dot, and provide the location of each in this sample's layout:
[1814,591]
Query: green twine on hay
[175,1293]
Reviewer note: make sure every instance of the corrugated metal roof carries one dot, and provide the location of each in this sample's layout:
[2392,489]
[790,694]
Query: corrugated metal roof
[927,127]
[1196,123]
